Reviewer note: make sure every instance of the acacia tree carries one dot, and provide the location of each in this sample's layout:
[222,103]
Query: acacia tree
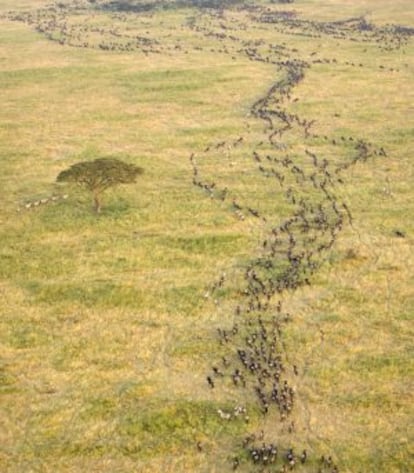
[98,175]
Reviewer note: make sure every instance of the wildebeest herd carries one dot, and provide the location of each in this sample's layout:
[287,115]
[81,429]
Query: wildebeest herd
[254,360]
[290,253]
[76,24]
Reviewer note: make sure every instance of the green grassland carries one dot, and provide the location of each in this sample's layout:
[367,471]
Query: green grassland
[108,324]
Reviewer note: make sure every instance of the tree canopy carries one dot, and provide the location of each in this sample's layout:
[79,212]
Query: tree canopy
[99,175]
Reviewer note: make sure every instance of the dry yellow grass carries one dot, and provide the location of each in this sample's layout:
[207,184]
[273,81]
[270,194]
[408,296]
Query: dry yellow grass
[108,325]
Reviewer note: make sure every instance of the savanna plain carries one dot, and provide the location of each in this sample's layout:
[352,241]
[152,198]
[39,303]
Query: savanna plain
[247,304]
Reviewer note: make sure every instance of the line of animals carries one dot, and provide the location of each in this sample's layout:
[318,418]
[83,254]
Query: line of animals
[32,204]
[74,24]
[255,358]
[226,30]
[388,37]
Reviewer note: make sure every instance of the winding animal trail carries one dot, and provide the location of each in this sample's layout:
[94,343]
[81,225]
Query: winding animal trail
[254,358]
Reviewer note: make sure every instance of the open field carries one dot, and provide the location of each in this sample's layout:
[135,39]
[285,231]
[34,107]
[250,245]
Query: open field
[254,289]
